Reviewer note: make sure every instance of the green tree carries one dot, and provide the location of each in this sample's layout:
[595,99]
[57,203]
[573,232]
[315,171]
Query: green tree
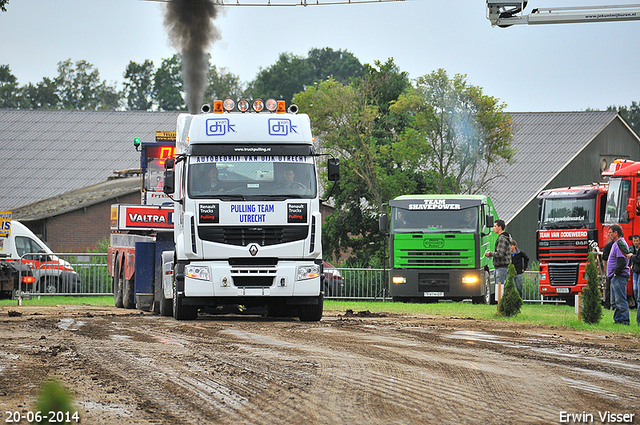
[455,129]
[347,120]
[44,95]
[340,65]
[510,303]
[631,115]
[289,75]
[138,85]
[222,85]
[3,5]
[168,86]
[592,308]
[80,87]
[9,90]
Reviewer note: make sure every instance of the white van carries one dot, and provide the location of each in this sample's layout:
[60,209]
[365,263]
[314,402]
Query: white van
[52,274]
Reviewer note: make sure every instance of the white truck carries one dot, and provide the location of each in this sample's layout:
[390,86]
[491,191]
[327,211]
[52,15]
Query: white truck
[245,213]
[24,257]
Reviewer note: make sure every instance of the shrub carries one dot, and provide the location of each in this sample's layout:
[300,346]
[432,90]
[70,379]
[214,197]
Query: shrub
[54,397]
[511,301]
[592,308]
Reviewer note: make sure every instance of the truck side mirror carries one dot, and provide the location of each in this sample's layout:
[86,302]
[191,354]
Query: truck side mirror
[383,223]
[489,220]
[333,169]
[631,208]
[169,176]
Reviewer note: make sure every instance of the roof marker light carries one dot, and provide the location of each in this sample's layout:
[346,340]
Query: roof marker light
[271,105]
[258,105]
[217,107]
[282,108]
[243,105]
[228,105]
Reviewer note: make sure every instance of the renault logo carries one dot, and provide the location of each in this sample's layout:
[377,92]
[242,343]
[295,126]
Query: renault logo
[253,249]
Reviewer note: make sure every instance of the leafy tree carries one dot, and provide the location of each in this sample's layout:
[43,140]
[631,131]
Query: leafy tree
[347,119]
[44,95]
[592,308]
[455,129]
[3,4]
[9,91]
[80,88]
[631,115]
[168,85]
[510,303]
[222,85]
[282,80]
[138,85]
[339,65]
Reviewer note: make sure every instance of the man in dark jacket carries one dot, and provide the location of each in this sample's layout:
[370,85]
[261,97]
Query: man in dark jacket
[520,261]
[502,254]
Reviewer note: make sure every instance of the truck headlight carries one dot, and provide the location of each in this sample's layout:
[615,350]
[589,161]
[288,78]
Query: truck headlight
[542,276]
[470,279]
[198,272]
[398,280]
[307,272]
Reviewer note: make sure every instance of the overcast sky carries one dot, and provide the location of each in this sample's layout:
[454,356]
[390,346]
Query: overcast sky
[530,68]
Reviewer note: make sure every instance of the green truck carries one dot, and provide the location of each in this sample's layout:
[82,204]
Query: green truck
[437,250]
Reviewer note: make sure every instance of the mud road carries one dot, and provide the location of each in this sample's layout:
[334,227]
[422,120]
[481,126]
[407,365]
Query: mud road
[129,367]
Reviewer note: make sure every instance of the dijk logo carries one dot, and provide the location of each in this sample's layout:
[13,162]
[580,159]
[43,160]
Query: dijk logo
[281,127]
[219,127]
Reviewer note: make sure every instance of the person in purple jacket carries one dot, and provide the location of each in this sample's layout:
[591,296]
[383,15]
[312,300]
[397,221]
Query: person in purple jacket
[618,271]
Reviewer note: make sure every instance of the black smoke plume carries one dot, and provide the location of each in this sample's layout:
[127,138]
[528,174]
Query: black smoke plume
[189,24]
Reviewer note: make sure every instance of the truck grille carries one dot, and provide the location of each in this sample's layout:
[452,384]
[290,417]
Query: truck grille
[433,258]
[563,250]
[563,274]
[243,236]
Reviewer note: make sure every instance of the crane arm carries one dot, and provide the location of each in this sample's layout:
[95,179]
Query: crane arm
[504,13]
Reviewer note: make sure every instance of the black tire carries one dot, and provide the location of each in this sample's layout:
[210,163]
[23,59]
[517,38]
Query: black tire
[312,312]
[181,311]
[117,286]
[128,291]
[166,305]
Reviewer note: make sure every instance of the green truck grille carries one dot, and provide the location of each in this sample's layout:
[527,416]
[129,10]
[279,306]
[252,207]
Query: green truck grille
[436,259]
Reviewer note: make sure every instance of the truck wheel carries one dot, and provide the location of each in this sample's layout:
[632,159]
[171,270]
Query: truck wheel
[166,305]
[128,295]
[311,313]
[117,286]
[181,311]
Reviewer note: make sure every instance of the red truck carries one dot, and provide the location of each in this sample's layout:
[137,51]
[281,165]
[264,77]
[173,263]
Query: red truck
[571,225]
[622,203]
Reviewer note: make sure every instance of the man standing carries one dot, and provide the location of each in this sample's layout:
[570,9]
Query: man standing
[618,271]
[520,261]
[635,268]
[502,254]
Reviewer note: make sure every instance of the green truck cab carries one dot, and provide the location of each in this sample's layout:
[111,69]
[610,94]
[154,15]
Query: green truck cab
[437,249]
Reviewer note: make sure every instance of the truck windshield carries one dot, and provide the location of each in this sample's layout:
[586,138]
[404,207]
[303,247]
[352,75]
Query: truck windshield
[243,176]
[434,221]
[570,213]
[619,191]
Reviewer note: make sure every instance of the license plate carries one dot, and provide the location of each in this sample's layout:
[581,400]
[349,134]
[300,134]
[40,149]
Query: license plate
[562,290]
[434,294]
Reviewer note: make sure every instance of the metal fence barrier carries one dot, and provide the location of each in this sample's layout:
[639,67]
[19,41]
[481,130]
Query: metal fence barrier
[89,276]
[67,274]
